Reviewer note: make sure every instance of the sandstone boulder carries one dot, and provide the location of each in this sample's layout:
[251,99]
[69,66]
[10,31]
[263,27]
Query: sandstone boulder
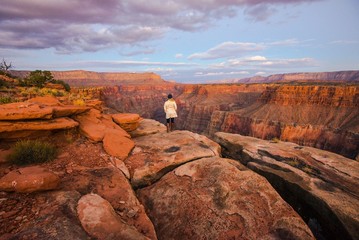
[217,198]
[21,129]
[324,183]
[29,179]
[112,185]
[147,127]
[117,145]
[94,125]
[128,121]
[100,220]
[45,101]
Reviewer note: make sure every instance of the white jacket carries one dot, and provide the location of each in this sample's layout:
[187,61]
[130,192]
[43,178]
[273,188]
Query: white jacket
[170,108]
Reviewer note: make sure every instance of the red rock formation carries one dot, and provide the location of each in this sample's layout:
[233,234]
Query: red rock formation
[323,185]
[323,115]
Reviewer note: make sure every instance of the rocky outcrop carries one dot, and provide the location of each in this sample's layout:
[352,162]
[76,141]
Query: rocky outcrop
[113,186]
[157,154]
[217,198]
[321,184]
[29,179]
[100,220]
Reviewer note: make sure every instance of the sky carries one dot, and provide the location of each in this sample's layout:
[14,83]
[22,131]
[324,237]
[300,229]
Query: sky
[190,41]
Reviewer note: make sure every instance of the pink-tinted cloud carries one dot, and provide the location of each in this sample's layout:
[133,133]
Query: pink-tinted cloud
[79,25]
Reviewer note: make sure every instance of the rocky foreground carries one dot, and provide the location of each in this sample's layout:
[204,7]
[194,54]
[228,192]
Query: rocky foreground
[118,176]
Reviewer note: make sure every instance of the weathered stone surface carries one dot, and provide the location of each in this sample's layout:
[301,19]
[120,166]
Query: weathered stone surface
[127,121]
[113,186]
[56,218]
[24,111]
[94,125]
[217,198]
[147,127]
[100,220]
[116,144]
[64,111]
[20,129]
[29,179]
[157,154]
[325,182]
[91,125]
[45,101]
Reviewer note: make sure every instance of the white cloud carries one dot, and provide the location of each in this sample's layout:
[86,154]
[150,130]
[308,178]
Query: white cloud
[179,55]
[260,73]
[228,49]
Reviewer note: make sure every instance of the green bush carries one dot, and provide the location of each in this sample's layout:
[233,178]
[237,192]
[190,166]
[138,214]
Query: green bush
[38,78]
[32,151]
[66,86]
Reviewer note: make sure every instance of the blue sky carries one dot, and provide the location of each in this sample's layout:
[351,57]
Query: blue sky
[182,40]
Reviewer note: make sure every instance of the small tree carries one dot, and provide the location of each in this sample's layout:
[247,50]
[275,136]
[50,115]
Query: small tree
[38,78]
[4,67]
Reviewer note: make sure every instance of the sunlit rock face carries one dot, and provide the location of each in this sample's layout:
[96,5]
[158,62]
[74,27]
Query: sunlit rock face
[319,184]
[321,115]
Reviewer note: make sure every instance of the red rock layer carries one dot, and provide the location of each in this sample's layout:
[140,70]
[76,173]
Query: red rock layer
[324,116]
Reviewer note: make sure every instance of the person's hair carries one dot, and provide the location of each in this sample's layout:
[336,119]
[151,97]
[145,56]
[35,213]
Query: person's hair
[169,96]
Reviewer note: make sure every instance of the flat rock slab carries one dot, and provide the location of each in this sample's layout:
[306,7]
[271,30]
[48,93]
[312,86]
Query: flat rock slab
[29,179]
[147,127]
[218,198]
[100,220]
[24,111]
[18,129]
[157,154]
[325,181]
[127,121]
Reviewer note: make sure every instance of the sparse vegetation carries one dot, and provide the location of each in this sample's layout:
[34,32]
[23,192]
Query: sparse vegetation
[275,140]
[32,151]
[6,99]
[5,67]
[79,102]
[37,78]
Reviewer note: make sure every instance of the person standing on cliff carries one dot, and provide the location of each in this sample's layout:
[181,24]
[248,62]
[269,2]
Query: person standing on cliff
[170,108]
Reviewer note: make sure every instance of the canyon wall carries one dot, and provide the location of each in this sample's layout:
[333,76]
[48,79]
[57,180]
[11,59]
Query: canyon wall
[339,76]
[324,116]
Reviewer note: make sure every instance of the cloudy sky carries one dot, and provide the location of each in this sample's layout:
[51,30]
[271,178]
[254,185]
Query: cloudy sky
[182,40]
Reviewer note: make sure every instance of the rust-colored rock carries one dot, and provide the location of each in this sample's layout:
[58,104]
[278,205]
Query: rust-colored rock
[24,111]
[29,179]
[325,182]
[127,121]
[45,101]
[21,129]
[99,219]
[112,185]
[116,144]
[217,198]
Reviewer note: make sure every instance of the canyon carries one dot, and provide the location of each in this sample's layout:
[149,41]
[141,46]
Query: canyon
[323,115]
[228,171]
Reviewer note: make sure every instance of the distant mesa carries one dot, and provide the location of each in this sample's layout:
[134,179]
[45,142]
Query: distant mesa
[338,76]
[79,78]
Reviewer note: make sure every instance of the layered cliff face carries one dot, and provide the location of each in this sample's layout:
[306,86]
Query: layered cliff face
[86,78]
[325,116]
[339,76]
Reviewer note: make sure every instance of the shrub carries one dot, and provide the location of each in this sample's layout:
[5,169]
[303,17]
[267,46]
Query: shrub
[79,102]
[5,99]
[38,78]
[32,151]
